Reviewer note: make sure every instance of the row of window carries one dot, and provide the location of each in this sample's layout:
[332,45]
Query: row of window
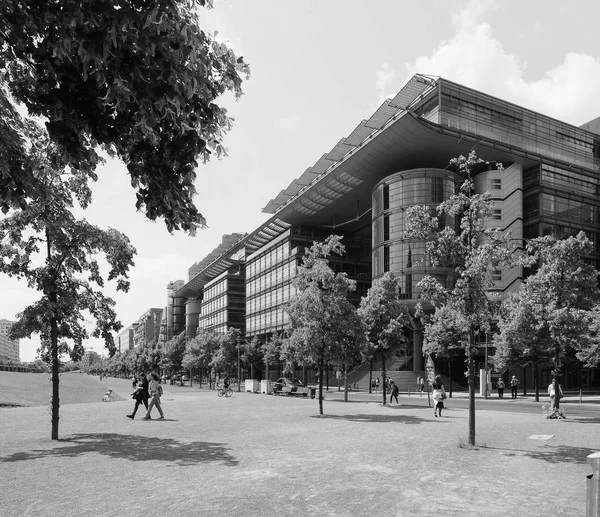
[413,190]
[273,256]
[561,180]
[267,321]
[269,299]
[282,274]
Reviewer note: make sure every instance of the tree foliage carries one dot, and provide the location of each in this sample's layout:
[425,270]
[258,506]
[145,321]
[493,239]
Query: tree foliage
[138,78]
[323,323]
[554,310]
[473,250]
[172,353]
[69,275]
[384,317]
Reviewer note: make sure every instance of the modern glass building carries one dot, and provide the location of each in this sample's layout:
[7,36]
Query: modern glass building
[548,185]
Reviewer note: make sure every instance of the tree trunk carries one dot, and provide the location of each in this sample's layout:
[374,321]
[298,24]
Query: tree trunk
[321,360]
[383,374]
[556,374]
[55,371]
[370,375]
[536,380]
[345,382]
[471,370]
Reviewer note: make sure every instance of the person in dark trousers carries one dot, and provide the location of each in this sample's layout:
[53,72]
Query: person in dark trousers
[438,396]
[500,385]
[514,384]
[141,394]
[155,390]
[394,393]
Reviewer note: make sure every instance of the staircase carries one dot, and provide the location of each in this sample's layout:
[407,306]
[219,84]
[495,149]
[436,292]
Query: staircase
[406,380]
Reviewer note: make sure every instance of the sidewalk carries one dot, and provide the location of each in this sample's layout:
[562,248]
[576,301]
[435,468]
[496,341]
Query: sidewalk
[260,455]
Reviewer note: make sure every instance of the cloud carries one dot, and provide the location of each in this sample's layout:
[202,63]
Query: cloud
[474,57]
[385,77]
[288,123]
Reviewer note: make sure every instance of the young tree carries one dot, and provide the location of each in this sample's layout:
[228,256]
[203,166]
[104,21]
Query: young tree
[385,318]
[522,338]
[552,311]
[139,79]
[200,350]
[252,354]
[272,352]
[473,250]
[320,313]
[70,278]
[173,352]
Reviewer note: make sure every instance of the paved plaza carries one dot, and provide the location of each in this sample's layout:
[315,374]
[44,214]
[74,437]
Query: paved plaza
[259,455]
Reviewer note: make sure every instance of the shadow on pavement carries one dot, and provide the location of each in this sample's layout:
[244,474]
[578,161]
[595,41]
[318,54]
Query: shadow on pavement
[552,453]
[133,448]
[400,419]
[583,420]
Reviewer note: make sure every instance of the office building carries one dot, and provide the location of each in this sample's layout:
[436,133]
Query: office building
[9,348]
[549,184]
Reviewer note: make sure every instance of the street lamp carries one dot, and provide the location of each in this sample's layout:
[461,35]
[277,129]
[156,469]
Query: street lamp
[239,373]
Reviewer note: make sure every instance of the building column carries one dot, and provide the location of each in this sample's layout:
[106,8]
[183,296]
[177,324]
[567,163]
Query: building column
[417,350]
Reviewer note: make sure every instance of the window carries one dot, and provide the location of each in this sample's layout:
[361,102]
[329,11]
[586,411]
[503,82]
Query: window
[497,214]
[386,197]
[386,259]
[496,184]
[497,275]
[386,227]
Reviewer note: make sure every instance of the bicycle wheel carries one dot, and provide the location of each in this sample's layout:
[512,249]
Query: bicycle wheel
[228,393]
[220,392]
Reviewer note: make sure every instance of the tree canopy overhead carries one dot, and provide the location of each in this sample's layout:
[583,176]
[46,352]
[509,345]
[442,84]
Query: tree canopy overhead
[138,78]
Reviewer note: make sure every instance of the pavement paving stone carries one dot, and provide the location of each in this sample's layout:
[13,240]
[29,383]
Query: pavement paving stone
[260,455]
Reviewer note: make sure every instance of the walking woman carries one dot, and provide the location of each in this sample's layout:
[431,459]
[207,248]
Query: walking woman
[439,394]
[141,394]
[155,392]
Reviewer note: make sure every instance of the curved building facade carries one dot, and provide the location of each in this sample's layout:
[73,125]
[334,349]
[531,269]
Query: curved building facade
[392,251]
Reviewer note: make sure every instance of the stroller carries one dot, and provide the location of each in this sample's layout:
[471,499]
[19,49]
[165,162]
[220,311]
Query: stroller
[108,396]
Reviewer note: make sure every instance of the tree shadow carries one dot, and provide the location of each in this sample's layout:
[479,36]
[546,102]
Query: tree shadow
[399,419]
[552,453]
[582,420]
[133,448]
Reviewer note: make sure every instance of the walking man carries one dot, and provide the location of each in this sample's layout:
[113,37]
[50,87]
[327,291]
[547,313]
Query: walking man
[514,383]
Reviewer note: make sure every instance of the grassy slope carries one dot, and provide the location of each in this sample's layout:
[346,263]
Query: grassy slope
[33,389]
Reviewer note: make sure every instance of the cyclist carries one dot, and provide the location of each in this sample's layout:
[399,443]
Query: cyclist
[226,382]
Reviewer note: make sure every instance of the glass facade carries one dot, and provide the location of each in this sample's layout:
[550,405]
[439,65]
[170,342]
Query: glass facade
[391,250]
[561,203]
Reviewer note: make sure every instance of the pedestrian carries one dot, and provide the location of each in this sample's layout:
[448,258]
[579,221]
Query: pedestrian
[422,387]
[500,385]
[394,393]
[155,390]
[552,394]
[514,384]
[141,393]
[372,385]
[438,395]
[418,383]
[377,385]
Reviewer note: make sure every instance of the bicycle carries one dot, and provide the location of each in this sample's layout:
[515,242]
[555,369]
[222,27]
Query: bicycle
[225,391]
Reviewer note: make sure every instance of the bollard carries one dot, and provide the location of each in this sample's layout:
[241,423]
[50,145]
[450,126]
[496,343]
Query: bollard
[592,507]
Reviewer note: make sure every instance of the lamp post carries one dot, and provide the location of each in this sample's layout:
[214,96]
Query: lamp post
[485,391]
[239,373]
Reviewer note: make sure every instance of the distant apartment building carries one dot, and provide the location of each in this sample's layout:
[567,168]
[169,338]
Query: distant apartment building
[89,357]
[9,349]
[147,328]
[125,339]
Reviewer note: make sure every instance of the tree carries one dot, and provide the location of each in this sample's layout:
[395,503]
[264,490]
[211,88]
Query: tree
[252,354]
[200,350]
[225,358]
[320,313]
[384,317]
[473,250]
[272,352]
[553,312]
[522,337]
[70,278]
[173,352]
[138,78]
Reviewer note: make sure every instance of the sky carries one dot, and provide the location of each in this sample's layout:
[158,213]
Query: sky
[318,69]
